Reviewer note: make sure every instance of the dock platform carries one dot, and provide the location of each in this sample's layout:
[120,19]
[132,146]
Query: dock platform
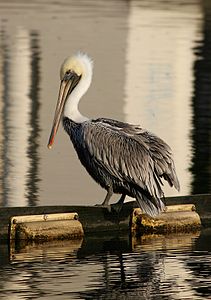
[95,219]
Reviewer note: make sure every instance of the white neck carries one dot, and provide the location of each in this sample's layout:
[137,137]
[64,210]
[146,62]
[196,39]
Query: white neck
[71,107]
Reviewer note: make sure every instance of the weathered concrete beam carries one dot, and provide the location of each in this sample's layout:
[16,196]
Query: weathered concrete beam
[59,226]
[93,218]
[176,218]
[202,203]
[98,219]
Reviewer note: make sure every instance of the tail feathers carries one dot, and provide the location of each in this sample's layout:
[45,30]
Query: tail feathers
[150,207]
[172,178]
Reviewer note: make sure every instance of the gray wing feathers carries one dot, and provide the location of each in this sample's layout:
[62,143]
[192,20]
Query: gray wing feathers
[132,154]
[163,159]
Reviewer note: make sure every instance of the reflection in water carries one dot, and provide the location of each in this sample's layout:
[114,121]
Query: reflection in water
[148,267]
[3,111]
[143,74]
[148,71]
[200,265]
[159,75]
[149,68]
[19,119]
[201,133]
[32,188]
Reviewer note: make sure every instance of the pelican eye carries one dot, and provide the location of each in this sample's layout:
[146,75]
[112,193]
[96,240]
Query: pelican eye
[68,72]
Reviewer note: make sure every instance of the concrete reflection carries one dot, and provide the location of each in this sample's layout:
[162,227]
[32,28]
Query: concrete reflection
[32,183]
[101,31]
[147,67]
[3,96]
[201,103]
[160,75]
[19,119]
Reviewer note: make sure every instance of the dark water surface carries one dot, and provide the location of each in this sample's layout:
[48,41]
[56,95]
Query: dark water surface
[112,267]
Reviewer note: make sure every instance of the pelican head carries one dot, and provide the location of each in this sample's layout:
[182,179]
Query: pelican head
[75,76]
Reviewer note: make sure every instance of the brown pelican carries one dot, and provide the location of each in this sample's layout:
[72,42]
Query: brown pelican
[123,158]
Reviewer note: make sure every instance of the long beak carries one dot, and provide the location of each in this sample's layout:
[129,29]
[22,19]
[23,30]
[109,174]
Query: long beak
[65,89]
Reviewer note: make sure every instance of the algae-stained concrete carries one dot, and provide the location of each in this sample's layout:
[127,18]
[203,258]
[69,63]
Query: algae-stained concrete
[98,219]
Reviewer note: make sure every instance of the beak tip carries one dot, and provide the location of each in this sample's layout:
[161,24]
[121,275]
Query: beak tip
[50,144]
[51,140]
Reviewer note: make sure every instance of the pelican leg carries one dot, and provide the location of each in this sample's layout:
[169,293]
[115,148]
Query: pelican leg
[119,204]
[108,197]
[121,200]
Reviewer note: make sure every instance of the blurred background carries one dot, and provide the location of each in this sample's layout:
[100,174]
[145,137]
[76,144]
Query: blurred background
[152,66]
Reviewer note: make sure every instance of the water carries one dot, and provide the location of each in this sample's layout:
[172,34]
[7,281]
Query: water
[151,67]
[112,267]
